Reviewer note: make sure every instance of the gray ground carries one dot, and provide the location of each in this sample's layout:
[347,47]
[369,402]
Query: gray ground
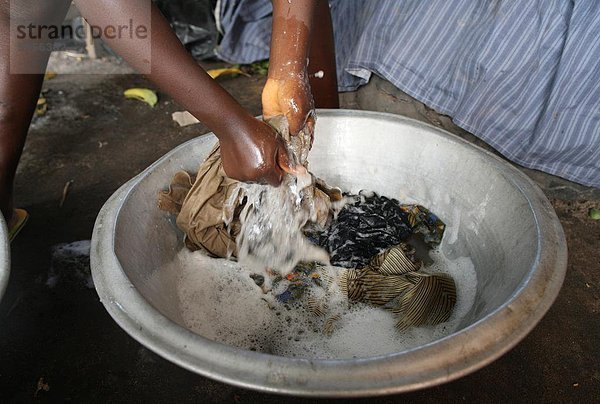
[57,343]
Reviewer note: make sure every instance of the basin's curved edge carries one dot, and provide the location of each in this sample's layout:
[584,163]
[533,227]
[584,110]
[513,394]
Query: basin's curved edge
[551,237]
[481,343]
[4,257]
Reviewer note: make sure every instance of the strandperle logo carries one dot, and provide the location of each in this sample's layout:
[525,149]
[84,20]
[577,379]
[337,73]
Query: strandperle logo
[40,27]
[34,31]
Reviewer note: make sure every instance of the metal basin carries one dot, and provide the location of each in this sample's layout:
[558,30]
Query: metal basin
[496,216]
[4,256]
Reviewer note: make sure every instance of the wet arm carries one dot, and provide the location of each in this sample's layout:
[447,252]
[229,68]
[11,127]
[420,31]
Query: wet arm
[290,41]
[250,149]
[287,90]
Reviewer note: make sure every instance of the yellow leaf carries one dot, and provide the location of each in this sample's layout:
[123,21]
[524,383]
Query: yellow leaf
[214,73]
[142,94]
[41,107]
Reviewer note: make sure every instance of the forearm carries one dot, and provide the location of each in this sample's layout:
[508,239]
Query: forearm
[290,40]
[169,64]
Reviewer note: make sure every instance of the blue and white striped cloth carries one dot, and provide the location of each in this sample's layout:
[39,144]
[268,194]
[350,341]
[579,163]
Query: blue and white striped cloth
[523,75]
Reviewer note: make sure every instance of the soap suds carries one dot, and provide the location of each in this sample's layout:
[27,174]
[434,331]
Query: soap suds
[273,218]
[221,302]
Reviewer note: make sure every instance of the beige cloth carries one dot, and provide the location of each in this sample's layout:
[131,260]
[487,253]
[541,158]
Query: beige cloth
[199,205]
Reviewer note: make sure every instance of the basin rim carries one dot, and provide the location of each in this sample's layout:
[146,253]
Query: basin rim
[438,362]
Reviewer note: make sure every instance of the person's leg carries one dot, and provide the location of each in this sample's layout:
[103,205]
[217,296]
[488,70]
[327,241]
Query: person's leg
[18,92]
[322,59]
[18,96]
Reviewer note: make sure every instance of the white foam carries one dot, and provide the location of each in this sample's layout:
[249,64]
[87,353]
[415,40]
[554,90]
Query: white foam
[271,234]
[220,301]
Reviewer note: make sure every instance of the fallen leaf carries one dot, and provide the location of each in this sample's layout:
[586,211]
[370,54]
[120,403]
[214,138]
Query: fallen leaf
[42,107]
[142,94]
[261,67]
[65,192]
[214,73]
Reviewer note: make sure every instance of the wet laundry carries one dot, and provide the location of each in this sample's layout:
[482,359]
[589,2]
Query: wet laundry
[272,219]
[199,201]
[369,239]
[364,236]
[371,224]
[394,280]
[209,207]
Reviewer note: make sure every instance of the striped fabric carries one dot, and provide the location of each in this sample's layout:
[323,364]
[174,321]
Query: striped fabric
[523,75]
[415,298]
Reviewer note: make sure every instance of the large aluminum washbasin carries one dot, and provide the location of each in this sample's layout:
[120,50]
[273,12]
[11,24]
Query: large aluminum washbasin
[496,215]
[4,256]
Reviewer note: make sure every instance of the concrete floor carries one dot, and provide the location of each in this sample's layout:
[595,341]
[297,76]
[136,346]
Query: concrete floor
[57,343]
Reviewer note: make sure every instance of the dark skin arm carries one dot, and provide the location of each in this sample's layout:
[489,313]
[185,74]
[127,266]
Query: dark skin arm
[287,91]
[250,149]
[300,29]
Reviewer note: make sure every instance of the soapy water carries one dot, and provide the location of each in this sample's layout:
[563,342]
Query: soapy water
[272,219]
[221,302]
[271,234]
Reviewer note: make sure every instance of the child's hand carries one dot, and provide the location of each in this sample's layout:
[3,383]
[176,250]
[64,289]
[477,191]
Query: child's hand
[290,96]
[255,154]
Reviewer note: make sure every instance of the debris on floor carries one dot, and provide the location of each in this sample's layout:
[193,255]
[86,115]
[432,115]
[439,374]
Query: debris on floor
[214,73]
[70,265]
[142,94]
[65,192]
[261,68]
[184,118]
[49,75]
[42,107]
[41,386]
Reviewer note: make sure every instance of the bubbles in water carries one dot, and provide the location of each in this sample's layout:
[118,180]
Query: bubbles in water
[220,301]
[272,221]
